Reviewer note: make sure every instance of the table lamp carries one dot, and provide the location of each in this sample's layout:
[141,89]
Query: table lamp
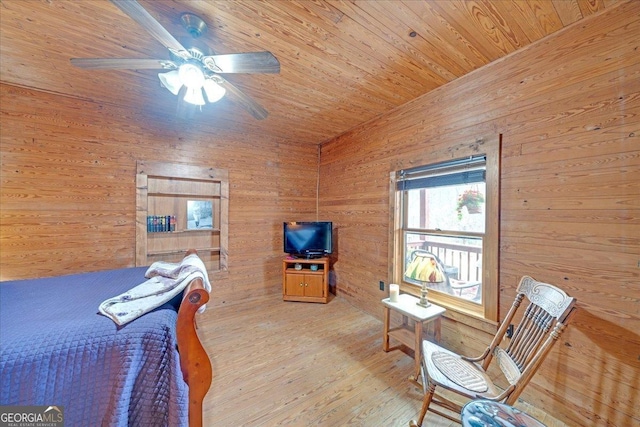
[425,269]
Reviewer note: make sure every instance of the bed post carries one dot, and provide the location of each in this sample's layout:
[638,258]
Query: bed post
[194,361]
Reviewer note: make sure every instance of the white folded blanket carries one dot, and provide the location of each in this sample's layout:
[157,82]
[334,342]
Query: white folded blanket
[166,280]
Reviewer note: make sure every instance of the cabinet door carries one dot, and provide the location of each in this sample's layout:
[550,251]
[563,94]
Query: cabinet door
[314,285]
[294,285]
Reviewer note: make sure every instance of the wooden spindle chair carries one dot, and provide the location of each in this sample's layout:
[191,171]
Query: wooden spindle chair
[548,311]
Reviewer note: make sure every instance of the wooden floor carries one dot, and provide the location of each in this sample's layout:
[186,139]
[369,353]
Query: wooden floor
[302,364]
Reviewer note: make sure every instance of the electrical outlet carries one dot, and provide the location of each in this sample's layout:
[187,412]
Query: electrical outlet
[381,285]
[510,331]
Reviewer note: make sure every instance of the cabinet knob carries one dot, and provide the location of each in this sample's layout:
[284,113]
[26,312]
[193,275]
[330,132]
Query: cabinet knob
[301,285]
[306,284]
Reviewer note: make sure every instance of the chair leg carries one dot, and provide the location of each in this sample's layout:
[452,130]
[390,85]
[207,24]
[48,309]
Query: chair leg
[425,404]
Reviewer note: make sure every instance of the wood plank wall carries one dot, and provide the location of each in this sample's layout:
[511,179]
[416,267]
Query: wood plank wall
[68,187]
[569,111]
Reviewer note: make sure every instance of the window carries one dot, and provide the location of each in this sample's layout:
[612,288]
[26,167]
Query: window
[446,235]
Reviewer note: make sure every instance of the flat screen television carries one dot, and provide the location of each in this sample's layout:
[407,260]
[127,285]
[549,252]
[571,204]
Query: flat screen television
[308,239]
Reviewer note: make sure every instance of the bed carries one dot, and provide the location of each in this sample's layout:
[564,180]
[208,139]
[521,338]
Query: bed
[56,349]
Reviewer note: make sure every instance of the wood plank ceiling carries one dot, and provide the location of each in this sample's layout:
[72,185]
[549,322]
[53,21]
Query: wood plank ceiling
[342,62]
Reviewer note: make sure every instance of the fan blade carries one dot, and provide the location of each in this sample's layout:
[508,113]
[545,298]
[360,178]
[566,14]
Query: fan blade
[236,95]
[255,62]
[142,17]
[123,63]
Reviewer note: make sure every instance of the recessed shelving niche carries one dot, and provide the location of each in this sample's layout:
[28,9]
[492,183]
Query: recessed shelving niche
[198,200]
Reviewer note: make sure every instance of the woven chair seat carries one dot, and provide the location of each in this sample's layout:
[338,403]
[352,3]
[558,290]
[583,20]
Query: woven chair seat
[459,371]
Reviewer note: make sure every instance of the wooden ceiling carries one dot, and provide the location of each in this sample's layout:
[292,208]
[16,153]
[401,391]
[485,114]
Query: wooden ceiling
[342,62]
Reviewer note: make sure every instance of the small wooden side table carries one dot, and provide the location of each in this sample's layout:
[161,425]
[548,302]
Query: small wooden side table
[487,413]
[406,305]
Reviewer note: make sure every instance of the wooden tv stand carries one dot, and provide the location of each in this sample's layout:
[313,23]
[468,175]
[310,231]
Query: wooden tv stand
[305,284]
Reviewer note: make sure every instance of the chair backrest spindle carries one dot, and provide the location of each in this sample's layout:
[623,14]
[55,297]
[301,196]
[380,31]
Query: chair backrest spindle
[529,335]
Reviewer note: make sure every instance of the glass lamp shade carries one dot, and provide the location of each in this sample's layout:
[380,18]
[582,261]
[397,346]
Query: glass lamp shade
[213,90]
[191,75]
[171,81]
[424,267]
[194,96]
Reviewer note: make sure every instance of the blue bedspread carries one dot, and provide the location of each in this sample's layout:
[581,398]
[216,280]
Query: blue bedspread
[55,349]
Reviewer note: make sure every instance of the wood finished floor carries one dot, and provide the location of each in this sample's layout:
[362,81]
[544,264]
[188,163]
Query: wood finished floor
[301,364]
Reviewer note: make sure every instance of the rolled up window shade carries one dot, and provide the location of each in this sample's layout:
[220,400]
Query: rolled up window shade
[454,172]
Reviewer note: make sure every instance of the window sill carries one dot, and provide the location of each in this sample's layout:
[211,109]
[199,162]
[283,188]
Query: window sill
[456,312]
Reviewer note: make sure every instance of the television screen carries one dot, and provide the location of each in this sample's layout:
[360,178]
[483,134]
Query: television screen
[309,239]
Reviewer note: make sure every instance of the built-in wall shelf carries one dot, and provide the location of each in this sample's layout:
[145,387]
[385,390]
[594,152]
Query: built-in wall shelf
[203,230]
[196,199]
[175,195]
[180,251]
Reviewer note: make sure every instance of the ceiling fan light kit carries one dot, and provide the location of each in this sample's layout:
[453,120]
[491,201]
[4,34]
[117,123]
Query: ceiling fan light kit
[214,91]
[193,78]
[191,75]
[191,70]
[194,96]
[171,81]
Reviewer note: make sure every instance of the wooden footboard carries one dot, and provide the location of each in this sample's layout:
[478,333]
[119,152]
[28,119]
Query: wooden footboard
[194,361]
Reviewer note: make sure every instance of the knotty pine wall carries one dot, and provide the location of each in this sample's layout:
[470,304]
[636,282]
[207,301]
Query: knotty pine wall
[569,112]
[68,188]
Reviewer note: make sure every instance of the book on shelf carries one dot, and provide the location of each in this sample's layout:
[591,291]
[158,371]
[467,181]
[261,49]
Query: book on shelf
[161,223]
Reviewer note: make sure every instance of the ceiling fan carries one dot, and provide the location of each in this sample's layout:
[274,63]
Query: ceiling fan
[193,74]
